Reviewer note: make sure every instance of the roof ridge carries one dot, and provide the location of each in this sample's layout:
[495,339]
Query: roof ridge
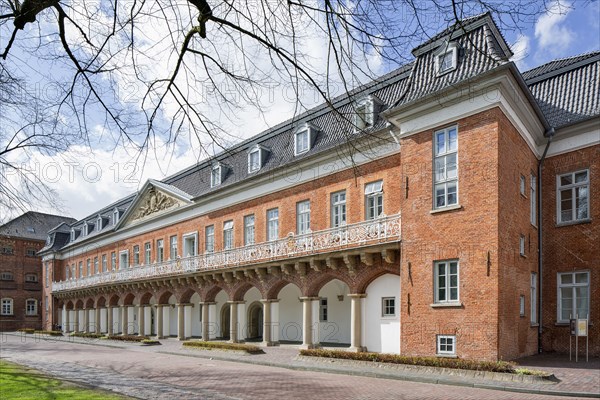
[577,61]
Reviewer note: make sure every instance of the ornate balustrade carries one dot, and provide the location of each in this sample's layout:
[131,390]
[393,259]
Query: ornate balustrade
[381,230]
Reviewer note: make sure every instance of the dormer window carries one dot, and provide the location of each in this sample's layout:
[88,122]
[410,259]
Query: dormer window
[303,139]
[85,229]
[446,58]
[115,216]
[365,112]
[72,234]
[256,158]
[99,224]
[215,175]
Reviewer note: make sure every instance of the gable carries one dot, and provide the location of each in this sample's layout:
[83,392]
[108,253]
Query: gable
[152,201]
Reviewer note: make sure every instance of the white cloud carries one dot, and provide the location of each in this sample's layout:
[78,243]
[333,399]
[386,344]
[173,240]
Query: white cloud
[521,50]
[550,31]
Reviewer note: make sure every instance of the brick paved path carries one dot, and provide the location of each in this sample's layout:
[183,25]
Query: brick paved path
[149,373]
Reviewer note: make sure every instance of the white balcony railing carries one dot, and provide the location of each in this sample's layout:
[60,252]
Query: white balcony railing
[365,233]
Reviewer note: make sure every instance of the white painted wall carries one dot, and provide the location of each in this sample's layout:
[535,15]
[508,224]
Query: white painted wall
[337,327]
[148,321]
[290,313]
[381,334]
[221,299]
[131,320]
[195,320]
[171,321]
[251,296]
[116,320]
[212,321]
[103,320]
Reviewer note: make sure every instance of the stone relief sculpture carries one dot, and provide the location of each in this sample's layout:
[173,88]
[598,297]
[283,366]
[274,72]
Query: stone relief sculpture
[154,202]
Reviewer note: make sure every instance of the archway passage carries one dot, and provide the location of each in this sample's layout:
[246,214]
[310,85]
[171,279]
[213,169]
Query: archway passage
[225,321]
[255,322]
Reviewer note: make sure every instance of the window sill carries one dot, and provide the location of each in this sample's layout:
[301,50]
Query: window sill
[580,221]
[447,355]
[567,324]
[447,305]
[444,209]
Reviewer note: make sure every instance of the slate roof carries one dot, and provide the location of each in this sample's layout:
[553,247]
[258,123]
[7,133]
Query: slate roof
[567,90]
[32,225]
[564,90]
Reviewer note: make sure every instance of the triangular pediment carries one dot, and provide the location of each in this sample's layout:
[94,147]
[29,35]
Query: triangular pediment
[154,200]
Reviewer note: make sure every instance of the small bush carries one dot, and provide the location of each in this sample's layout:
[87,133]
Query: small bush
[86,335]
[533,372]
[128,338]
[26,330]
[248,348]
[150,342]
[51,333]
[458,363]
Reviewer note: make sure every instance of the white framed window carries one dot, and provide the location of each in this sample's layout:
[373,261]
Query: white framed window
[8,250]
[96,270]
[160,250]
[533,199]
[533,298]
[46,274]
[323,310]
[217,173]
[273,224]
[31,307]
[388,306]
[85,229]
[446,344]
[248,230]
[67,272]
[573,295]
[115,216]
[47,306]
[190,244]
[31,278]
[521,305]
[80,269]
[446,281]
[104,263]
[7,306]
[173,247]
[446,58]
[147,253]
[209,233]
[522,245]
[30,252]
[256,158]
[124,259]
[522,185]
[73,270]
[113,261]
[445,167]
[98,224]
[228,235]
[365,112]
[303,217]
[136,255]
[88,265]
[72,235]
[374,200]
[6,276]
[338,209]
[302,141]
[573,196]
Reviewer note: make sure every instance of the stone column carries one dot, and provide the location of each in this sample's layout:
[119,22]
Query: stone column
[267,326]
[307,321]
[205,321]
[66,321]
[97,320]
[356,322]
[124,319]
[180,321]
[159,321]
[233,321]
[86,320]
[141,320]
[76,320]
[109,320]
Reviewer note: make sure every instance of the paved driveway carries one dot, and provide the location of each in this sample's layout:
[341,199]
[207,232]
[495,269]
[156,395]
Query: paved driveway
[151,375]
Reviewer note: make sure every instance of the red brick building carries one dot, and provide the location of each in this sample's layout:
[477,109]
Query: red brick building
[21,269]
[406,222]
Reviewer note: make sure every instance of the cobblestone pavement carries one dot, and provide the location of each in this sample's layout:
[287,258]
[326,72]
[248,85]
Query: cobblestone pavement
[159,373]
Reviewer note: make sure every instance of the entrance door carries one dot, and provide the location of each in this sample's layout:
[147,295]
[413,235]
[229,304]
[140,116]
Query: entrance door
[255,322]
[225,319]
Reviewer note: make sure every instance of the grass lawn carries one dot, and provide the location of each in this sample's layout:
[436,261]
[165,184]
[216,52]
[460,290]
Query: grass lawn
[18,382]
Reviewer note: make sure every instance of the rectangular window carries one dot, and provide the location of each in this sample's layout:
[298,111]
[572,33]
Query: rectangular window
[254,160]
[104,263]
[338,209]
[215,176]
[323,310]
[210,238]
[96,265]
[445,171]
[124,259]
[573,196]
[8,276]
[522,245]
[136,255]
[30,252]
[388,306]
[31,307]
[173,247]
[113,261]
[533,199]
[374,200]
[302,142]
[32,278]
[446,281]
[522,305]
[46,303]
[446,344]
[80,268]
[88,265]
[533,300]
[522,185]
[46,274]
[160,250]
[248,230]
[190,244]
[228,235]
[147,253]
[7,307]
[303,217]
[273,224]
[573,295]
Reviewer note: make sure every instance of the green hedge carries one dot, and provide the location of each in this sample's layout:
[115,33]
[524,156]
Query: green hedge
[51,333]
[248,348]
[128,338]
[87,335]
[459,363]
